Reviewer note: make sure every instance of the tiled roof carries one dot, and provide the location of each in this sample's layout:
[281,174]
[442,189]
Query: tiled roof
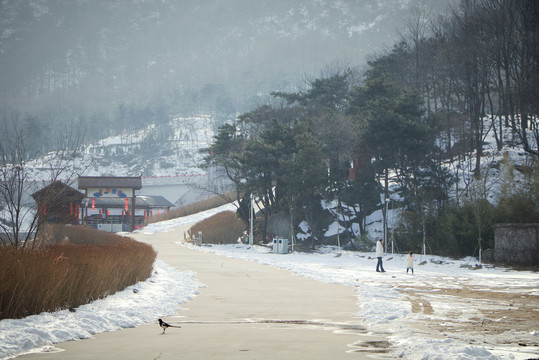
[56,190]
[141,201]
[155,200]
[86,182]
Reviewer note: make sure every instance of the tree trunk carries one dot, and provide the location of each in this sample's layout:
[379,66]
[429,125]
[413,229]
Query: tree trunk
[291,209]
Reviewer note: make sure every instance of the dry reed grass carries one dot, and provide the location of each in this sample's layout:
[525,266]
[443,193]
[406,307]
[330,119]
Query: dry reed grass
[79,266]
[197,207]
[222,228]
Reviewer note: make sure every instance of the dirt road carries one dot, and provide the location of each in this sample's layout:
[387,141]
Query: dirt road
[246,311]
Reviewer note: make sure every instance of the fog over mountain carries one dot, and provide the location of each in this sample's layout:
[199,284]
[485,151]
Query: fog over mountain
[65,60]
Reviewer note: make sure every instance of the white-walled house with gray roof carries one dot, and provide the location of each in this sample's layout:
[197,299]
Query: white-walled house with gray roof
[111,203]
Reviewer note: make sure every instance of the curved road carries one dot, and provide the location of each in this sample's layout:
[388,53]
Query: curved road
[246,311]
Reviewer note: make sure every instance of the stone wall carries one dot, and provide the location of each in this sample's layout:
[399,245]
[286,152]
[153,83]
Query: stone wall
[515,244]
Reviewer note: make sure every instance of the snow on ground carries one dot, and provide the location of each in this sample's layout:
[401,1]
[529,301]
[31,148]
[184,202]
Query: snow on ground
[121,310]
[141,303]
[384,303]
[385,308]
[385,300]
[168,225]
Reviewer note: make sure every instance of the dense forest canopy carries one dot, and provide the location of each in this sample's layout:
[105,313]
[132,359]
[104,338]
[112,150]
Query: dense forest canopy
[423,106]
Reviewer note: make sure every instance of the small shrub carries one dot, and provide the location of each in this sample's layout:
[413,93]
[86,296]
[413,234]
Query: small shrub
[364,243]
[519,207]
[222,228]
[190,209]
[73,266]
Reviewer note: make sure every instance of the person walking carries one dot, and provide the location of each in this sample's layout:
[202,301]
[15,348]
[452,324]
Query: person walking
[410,262]
[379,254]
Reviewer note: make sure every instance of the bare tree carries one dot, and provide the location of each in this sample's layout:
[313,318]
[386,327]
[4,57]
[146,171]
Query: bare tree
[477,194]
[527,75]
[20,218]
[415,32]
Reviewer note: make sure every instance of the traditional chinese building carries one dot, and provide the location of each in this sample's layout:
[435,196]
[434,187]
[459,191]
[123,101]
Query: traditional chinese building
[110,202]
[110,214]
[58,203]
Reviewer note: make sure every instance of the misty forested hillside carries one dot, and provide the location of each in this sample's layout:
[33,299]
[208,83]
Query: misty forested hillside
[107,66]
[441,122]
[444,129]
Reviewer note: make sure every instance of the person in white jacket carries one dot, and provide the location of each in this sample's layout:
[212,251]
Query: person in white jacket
[379,254]
[410,262]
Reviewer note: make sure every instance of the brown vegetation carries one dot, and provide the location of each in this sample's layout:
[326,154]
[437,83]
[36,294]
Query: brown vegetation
[73,266]
[222,228]
[197,207]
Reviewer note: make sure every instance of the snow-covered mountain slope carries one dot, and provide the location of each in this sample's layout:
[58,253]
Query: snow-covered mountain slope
[166,150]
[503,171]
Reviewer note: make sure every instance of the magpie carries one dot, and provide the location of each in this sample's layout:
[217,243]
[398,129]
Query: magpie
[165,326]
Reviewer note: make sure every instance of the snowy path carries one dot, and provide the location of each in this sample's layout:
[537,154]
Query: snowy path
[445,311]
[246,310]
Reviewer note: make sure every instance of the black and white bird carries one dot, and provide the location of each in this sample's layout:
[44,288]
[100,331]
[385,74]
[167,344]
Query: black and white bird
[165,326]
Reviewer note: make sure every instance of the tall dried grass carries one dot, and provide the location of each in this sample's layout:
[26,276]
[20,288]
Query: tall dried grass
[222,228]
[78,267]
[197,207]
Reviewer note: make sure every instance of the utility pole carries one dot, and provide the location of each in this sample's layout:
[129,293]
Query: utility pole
[251,216]
[385,224]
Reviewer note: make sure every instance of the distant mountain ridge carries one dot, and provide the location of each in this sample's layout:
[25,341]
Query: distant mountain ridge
[101,52]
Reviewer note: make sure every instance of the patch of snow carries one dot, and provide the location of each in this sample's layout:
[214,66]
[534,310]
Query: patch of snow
[160,295]
[382,303]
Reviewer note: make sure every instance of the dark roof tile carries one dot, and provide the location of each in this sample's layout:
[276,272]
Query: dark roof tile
[86,182]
